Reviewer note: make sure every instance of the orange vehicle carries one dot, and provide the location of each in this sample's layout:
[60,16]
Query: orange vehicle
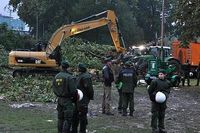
[191,53]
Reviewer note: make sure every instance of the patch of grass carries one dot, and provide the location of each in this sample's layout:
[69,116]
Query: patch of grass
[26,120]
[116,124]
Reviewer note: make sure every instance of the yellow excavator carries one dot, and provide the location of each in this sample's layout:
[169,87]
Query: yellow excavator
[45,61]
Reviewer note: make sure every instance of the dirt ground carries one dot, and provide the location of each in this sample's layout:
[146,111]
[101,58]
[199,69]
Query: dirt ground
[182,114]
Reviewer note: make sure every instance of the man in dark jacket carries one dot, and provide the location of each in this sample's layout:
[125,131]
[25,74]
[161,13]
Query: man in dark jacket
[128,78]
[158,109]
[84,83]
[108,78]
[64,87]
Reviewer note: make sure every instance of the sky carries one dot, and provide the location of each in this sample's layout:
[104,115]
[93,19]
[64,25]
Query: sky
[5,12]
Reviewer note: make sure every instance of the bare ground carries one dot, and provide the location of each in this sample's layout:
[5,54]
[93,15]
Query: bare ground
[182,114]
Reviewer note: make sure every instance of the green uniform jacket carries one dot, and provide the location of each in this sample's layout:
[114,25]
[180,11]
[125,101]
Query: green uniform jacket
[159,85]
[67,86]
[84,83]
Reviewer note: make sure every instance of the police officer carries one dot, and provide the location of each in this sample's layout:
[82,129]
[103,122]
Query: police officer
[64,87]
[108,78]
[84,83]
[198,74]
[158,109]
[128,78]
[186,68]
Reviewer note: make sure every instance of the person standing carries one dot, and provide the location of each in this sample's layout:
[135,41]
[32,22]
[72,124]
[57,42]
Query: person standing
[108,78]
[186,68]
[84,83]
[158,109]
[198,74]
[128,78]
[64,87]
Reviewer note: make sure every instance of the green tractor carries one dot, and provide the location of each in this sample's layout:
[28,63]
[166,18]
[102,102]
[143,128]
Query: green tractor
[171,65]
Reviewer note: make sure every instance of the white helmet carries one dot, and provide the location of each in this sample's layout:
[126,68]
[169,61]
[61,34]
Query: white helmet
[191,74]
[80,94]
[160,97]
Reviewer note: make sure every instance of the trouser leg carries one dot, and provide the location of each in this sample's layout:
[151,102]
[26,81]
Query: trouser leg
[66,126]
[198,76]
[60,118]
[60,125]
[69,109]
[107,99]
[120,101]
[154,117]
[83,118]
[124,103]
[83,123]
[75,122]
[103,101]
[131,102]
[161,118]
[183,81]
[188,81]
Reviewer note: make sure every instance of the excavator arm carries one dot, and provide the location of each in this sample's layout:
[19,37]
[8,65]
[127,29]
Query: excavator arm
[84,25]
[28,62]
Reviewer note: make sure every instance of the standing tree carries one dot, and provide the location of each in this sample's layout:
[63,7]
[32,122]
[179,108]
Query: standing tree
[46,16]
[187,19]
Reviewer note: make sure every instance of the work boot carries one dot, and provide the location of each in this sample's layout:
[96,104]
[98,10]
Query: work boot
[119,111]
[109,113]
[162,131]
[103,111]
[131,114]
[124,114]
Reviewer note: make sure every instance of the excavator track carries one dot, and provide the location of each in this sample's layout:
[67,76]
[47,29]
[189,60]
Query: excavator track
[37,71]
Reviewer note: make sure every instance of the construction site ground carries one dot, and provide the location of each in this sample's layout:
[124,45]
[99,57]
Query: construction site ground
[182,114]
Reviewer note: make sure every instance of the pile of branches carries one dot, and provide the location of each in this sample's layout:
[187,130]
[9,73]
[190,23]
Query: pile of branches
[92,54]
[39,88]
[3,56]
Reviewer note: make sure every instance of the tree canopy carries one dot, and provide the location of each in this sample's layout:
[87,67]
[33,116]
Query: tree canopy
[139,20]
[187,19]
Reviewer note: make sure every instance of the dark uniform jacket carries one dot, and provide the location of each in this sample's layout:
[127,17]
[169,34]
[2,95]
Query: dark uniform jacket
[159,85]
[108,77]
[128,77]
[65,86]
[84,83]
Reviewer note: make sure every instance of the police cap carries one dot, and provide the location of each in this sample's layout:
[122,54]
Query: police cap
[128,63]
[65,64]
[162,71]
[82,67]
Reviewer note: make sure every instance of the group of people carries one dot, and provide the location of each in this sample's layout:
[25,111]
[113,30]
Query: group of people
[125,78]
[72,110]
